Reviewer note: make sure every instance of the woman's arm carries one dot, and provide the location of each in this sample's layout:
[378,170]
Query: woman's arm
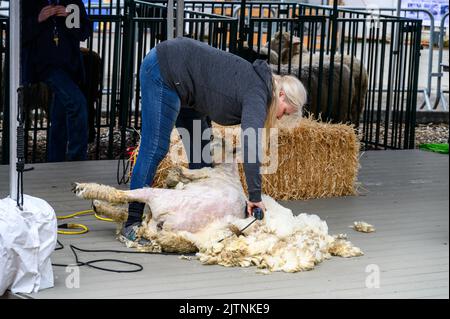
[254,112]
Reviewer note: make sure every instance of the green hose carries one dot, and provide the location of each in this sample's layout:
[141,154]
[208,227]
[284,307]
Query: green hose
[438,148]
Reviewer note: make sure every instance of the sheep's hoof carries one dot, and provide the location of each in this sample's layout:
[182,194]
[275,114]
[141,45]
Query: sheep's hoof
[78,189]
[94,208]
[75,188]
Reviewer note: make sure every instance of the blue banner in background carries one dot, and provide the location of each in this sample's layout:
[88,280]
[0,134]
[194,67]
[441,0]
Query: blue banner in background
[437,8]
[99,7]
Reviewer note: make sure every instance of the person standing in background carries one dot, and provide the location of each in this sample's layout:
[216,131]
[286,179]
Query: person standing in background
[51,54]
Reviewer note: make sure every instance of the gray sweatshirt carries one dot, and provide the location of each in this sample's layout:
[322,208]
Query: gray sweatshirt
[227,88]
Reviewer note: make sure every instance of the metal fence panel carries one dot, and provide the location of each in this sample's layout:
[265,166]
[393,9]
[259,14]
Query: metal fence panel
[124,32]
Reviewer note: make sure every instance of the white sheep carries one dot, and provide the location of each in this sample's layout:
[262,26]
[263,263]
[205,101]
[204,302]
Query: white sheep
[208,205]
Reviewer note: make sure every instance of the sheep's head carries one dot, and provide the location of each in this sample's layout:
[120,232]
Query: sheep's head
[223,153]
[285,38]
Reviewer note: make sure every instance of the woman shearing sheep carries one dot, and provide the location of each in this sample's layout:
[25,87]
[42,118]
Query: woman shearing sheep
[183,80]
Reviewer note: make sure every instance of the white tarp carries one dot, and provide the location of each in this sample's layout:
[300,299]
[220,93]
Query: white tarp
[27,239]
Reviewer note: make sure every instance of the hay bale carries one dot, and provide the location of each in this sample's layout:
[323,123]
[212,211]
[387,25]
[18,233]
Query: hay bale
[315,160]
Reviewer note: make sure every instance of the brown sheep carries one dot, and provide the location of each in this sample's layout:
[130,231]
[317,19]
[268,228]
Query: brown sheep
[309,76]
[353,64]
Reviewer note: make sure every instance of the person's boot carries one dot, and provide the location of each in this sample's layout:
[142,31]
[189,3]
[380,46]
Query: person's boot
[128,236]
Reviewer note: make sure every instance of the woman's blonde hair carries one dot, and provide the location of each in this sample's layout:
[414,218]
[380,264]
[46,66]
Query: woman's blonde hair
[295,95]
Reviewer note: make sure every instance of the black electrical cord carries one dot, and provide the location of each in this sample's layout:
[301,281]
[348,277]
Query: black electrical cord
[122,177]
[90,263]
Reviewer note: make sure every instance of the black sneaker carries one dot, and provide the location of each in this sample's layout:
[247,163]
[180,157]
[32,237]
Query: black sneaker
[128,236]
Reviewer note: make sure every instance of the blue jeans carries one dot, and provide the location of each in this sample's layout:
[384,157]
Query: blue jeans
[161,111]
[68,119]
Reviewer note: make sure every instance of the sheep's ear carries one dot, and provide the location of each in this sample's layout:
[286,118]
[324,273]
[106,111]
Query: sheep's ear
[277,35]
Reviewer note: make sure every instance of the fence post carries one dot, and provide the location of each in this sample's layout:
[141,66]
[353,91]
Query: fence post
[116,82]
[169,17]
[180,18]
[233,36]
[127,70]
[439,96]
[334,24]
[242,32]
[410,143]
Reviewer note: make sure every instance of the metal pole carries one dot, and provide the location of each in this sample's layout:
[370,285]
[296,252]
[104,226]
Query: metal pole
[169,19]
[334,35]
[430,62]
[14,56]
[242,26]
[396,32]
[440,97]
[180,18]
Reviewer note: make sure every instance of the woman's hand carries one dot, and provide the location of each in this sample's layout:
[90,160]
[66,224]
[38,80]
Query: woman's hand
[251,205]
[46,12]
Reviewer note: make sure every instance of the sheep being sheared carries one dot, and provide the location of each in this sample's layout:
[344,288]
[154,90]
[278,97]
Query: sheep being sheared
[208,205]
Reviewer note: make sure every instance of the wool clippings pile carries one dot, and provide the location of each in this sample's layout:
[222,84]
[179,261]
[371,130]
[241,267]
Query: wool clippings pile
[363,227]
[282,242]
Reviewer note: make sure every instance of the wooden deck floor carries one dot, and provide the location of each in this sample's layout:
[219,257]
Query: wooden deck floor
[407,201]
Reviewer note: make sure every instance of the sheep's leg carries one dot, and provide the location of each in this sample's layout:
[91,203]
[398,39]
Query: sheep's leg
[194,174]
[118,213]
[181,174]
[111,194]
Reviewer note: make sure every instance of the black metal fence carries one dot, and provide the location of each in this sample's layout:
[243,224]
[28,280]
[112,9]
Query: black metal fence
[356,67]
[388,48]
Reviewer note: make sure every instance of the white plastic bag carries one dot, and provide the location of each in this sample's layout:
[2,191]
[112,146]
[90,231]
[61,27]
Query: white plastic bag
[27,240]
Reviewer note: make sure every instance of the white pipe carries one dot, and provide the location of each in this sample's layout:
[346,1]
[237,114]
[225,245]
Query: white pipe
[169,19]
[14,61]
[180,17]
[399,7]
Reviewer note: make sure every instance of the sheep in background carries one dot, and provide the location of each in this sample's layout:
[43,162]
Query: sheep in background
[207,205]
[352,66]
[358,73]
[285,39]
[309,76]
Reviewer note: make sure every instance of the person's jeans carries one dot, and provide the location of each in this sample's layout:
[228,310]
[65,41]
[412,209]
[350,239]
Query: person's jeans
[68,119]
[160,108]
[161,111]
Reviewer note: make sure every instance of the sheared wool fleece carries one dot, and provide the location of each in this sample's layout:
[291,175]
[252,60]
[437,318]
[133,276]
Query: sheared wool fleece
[280,242]
[363,227]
